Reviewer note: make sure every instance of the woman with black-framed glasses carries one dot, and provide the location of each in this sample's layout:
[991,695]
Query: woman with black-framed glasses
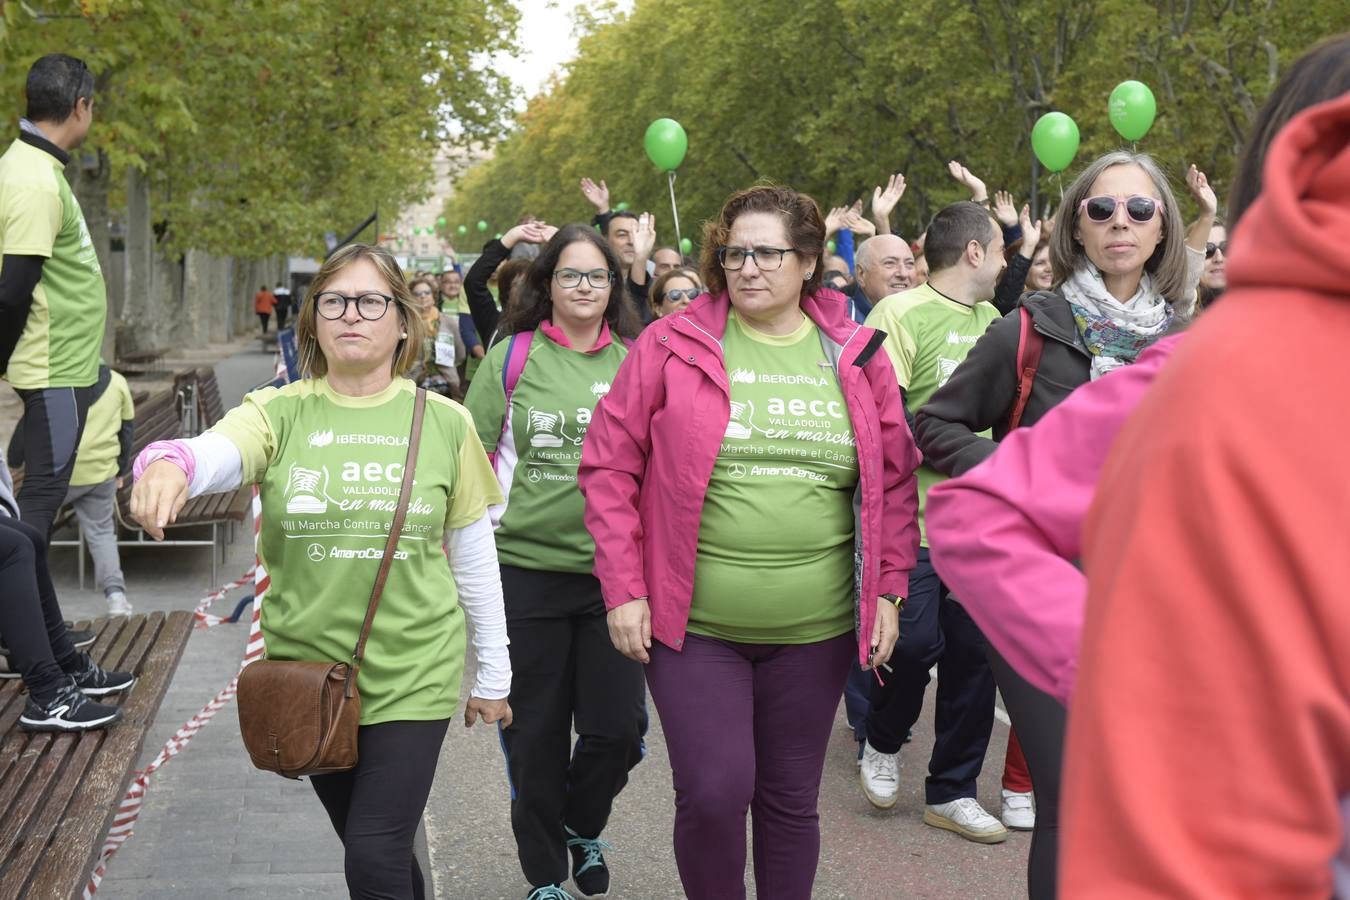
[327,453]
[566,333]
[750,486]
[672,291]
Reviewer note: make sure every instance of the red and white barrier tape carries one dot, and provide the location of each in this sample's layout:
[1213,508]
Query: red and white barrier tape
[130,808]
[201,618]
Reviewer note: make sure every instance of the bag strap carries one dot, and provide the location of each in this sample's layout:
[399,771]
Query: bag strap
[395,529]
[1030,343]
[517,353]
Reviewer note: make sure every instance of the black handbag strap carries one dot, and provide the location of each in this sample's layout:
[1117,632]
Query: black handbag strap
[391,545]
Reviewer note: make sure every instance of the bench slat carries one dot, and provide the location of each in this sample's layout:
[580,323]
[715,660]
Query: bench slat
[77,826]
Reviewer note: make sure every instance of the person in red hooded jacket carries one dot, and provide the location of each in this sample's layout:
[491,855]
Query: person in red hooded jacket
[1208,752]
[749,482]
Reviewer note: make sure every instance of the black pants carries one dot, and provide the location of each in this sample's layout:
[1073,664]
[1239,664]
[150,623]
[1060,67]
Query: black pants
[1039,720]
[282,312]
[935,629]
[53,422]
[375,807]
[264,318]
[31,623]
[565,671]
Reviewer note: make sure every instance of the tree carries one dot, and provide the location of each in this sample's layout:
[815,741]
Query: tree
[832,95]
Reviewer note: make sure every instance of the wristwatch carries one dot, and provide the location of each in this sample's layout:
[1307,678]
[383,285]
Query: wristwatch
[895,599]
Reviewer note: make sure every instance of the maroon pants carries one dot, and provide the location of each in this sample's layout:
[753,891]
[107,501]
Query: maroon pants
[747,727]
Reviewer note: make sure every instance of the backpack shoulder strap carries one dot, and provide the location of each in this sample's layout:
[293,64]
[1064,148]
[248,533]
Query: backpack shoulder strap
[517,352]
[1030,343]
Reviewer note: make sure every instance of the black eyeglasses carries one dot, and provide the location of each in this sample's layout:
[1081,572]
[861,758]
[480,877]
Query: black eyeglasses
[370,306]
[1138,207]
[767,259]
[674,296]
[1211,249]
[596,278]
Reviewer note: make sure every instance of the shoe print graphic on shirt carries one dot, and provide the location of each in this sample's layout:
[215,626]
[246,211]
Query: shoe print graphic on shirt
[307,490]
[739,427]
[546,428]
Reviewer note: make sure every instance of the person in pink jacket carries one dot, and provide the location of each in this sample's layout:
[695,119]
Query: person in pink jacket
[749,482]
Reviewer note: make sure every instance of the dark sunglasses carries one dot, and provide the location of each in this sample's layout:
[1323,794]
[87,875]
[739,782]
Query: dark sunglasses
[1211,249]
[673,296]
[1101,209]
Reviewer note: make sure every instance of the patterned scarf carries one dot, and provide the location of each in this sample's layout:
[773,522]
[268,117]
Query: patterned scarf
[1115,332]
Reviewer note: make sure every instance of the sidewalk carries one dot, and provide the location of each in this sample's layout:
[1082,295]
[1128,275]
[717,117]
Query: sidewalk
[212,826]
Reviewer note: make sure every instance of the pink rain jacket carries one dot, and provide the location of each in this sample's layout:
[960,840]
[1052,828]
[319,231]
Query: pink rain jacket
[653,440]
[1006,536]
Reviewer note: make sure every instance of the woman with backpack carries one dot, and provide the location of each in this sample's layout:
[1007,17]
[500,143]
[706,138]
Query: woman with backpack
[532,401]
[1124,275]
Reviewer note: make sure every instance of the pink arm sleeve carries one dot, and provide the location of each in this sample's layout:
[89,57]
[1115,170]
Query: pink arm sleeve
[1006,536]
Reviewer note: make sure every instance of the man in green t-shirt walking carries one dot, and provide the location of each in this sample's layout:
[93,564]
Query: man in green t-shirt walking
[929,330]
[53,304]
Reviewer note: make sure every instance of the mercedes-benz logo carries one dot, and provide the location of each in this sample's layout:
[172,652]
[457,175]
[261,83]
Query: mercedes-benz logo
[316,553]
[534,475]
[736,470]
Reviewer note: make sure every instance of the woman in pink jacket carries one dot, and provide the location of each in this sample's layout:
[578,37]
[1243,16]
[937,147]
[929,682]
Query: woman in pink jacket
[749,483]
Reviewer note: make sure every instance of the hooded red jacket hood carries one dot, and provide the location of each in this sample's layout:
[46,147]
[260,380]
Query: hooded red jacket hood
[1294,234]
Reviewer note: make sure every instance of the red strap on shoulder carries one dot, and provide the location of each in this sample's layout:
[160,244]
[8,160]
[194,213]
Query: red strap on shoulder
[1030,343]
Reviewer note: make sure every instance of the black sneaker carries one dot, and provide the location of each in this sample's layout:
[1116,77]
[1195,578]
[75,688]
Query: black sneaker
[5,670]
[69,711]
[82,638]
[549,892]
[95,681]
[589,872]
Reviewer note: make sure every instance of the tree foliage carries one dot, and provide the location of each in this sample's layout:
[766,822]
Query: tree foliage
[832,95]
[262,125]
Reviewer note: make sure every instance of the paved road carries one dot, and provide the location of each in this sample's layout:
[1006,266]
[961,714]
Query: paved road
[214,827]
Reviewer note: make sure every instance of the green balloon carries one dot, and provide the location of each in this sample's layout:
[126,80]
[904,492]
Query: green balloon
[1132,109]
[1054,139]
[441,221]
[686,246]
[482,226]
[830,246]
[666,143]
[621,207]
[497,236]
[461,230]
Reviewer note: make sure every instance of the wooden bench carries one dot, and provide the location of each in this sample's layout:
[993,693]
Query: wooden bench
[59,792]
[148,362]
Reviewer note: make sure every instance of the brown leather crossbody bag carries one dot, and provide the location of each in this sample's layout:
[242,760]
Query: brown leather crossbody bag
[301,718]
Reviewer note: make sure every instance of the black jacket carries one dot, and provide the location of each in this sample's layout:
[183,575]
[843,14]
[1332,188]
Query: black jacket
[981,391]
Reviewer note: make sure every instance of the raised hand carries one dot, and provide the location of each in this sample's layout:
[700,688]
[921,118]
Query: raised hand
[1031,232]
[1005,210]
[884,201]
[835,219]
[961,175]
[644,239]
[532,232]
[1202,192]
[854,222]
[596,194]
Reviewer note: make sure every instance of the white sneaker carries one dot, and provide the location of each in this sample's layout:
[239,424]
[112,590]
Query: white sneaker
[1019,813]
[118,605]
[879,774]
[967,818]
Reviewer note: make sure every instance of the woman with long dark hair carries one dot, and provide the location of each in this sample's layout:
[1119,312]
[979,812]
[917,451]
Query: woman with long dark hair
[565,335]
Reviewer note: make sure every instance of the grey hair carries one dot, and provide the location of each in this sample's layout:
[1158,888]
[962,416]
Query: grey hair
[1167,265]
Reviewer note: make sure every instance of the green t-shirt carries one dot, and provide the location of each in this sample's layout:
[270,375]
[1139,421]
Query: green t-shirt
[542,525]
[927,336]
[775,541]
[329,469]
[39,216]
[96,460]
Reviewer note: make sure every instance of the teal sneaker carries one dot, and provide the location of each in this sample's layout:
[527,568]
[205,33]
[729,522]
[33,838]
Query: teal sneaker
[589,872]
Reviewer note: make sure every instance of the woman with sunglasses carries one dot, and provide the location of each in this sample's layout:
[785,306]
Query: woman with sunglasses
[720,477]
[1214,279]
[674,290]
[1123,276]
[532,402]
